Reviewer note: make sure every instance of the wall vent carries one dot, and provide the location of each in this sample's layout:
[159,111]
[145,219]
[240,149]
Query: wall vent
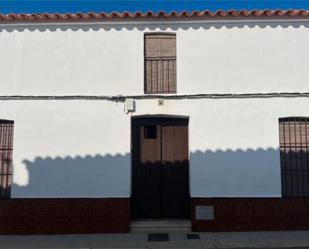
[204,213]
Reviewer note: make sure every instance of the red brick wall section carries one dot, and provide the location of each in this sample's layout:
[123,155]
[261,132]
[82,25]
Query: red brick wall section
[64,216]
[252,214]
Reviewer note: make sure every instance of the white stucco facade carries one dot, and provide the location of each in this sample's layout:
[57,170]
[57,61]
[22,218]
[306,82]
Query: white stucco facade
[81,148]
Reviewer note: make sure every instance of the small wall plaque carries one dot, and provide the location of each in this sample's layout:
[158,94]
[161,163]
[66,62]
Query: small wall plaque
[204,213]
[160,102]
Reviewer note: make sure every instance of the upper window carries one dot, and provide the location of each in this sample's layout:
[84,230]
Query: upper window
[294,155]
[160,63]
[6,151]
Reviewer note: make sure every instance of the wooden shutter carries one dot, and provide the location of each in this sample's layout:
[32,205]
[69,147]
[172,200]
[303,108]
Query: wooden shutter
[294,156]
[6,151]
[160,63]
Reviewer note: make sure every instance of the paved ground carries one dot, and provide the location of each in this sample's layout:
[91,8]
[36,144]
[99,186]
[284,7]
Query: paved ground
[291,239]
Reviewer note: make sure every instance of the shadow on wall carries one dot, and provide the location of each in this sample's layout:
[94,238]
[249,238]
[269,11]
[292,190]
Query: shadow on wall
[250,173]
[212,173]
[20,27]
[90,176]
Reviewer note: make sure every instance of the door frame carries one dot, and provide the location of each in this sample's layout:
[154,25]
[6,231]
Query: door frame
[155,116]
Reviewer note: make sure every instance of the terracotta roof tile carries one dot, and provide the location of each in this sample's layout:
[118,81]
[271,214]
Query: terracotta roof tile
[127,16]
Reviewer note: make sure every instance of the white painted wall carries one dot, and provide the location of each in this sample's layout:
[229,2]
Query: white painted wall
[69,149]
[108,58]
[81,148]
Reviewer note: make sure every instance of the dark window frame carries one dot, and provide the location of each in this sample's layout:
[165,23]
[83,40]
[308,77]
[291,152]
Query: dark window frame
[150,132]
[294,156]
[174,66]
[6,157]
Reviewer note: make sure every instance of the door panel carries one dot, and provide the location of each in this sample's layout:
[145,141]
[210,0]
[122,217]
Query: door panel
[175,171]
[146,166]
[149,167]
[160,176]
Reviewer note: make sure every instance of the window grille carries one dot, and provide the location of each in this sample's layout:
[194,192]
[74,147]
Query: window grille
[294,156]
[6,153]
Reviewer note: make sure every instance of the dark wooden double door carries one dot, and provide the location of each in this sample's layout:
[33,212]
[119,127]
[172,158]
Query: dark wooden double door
[160,170]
